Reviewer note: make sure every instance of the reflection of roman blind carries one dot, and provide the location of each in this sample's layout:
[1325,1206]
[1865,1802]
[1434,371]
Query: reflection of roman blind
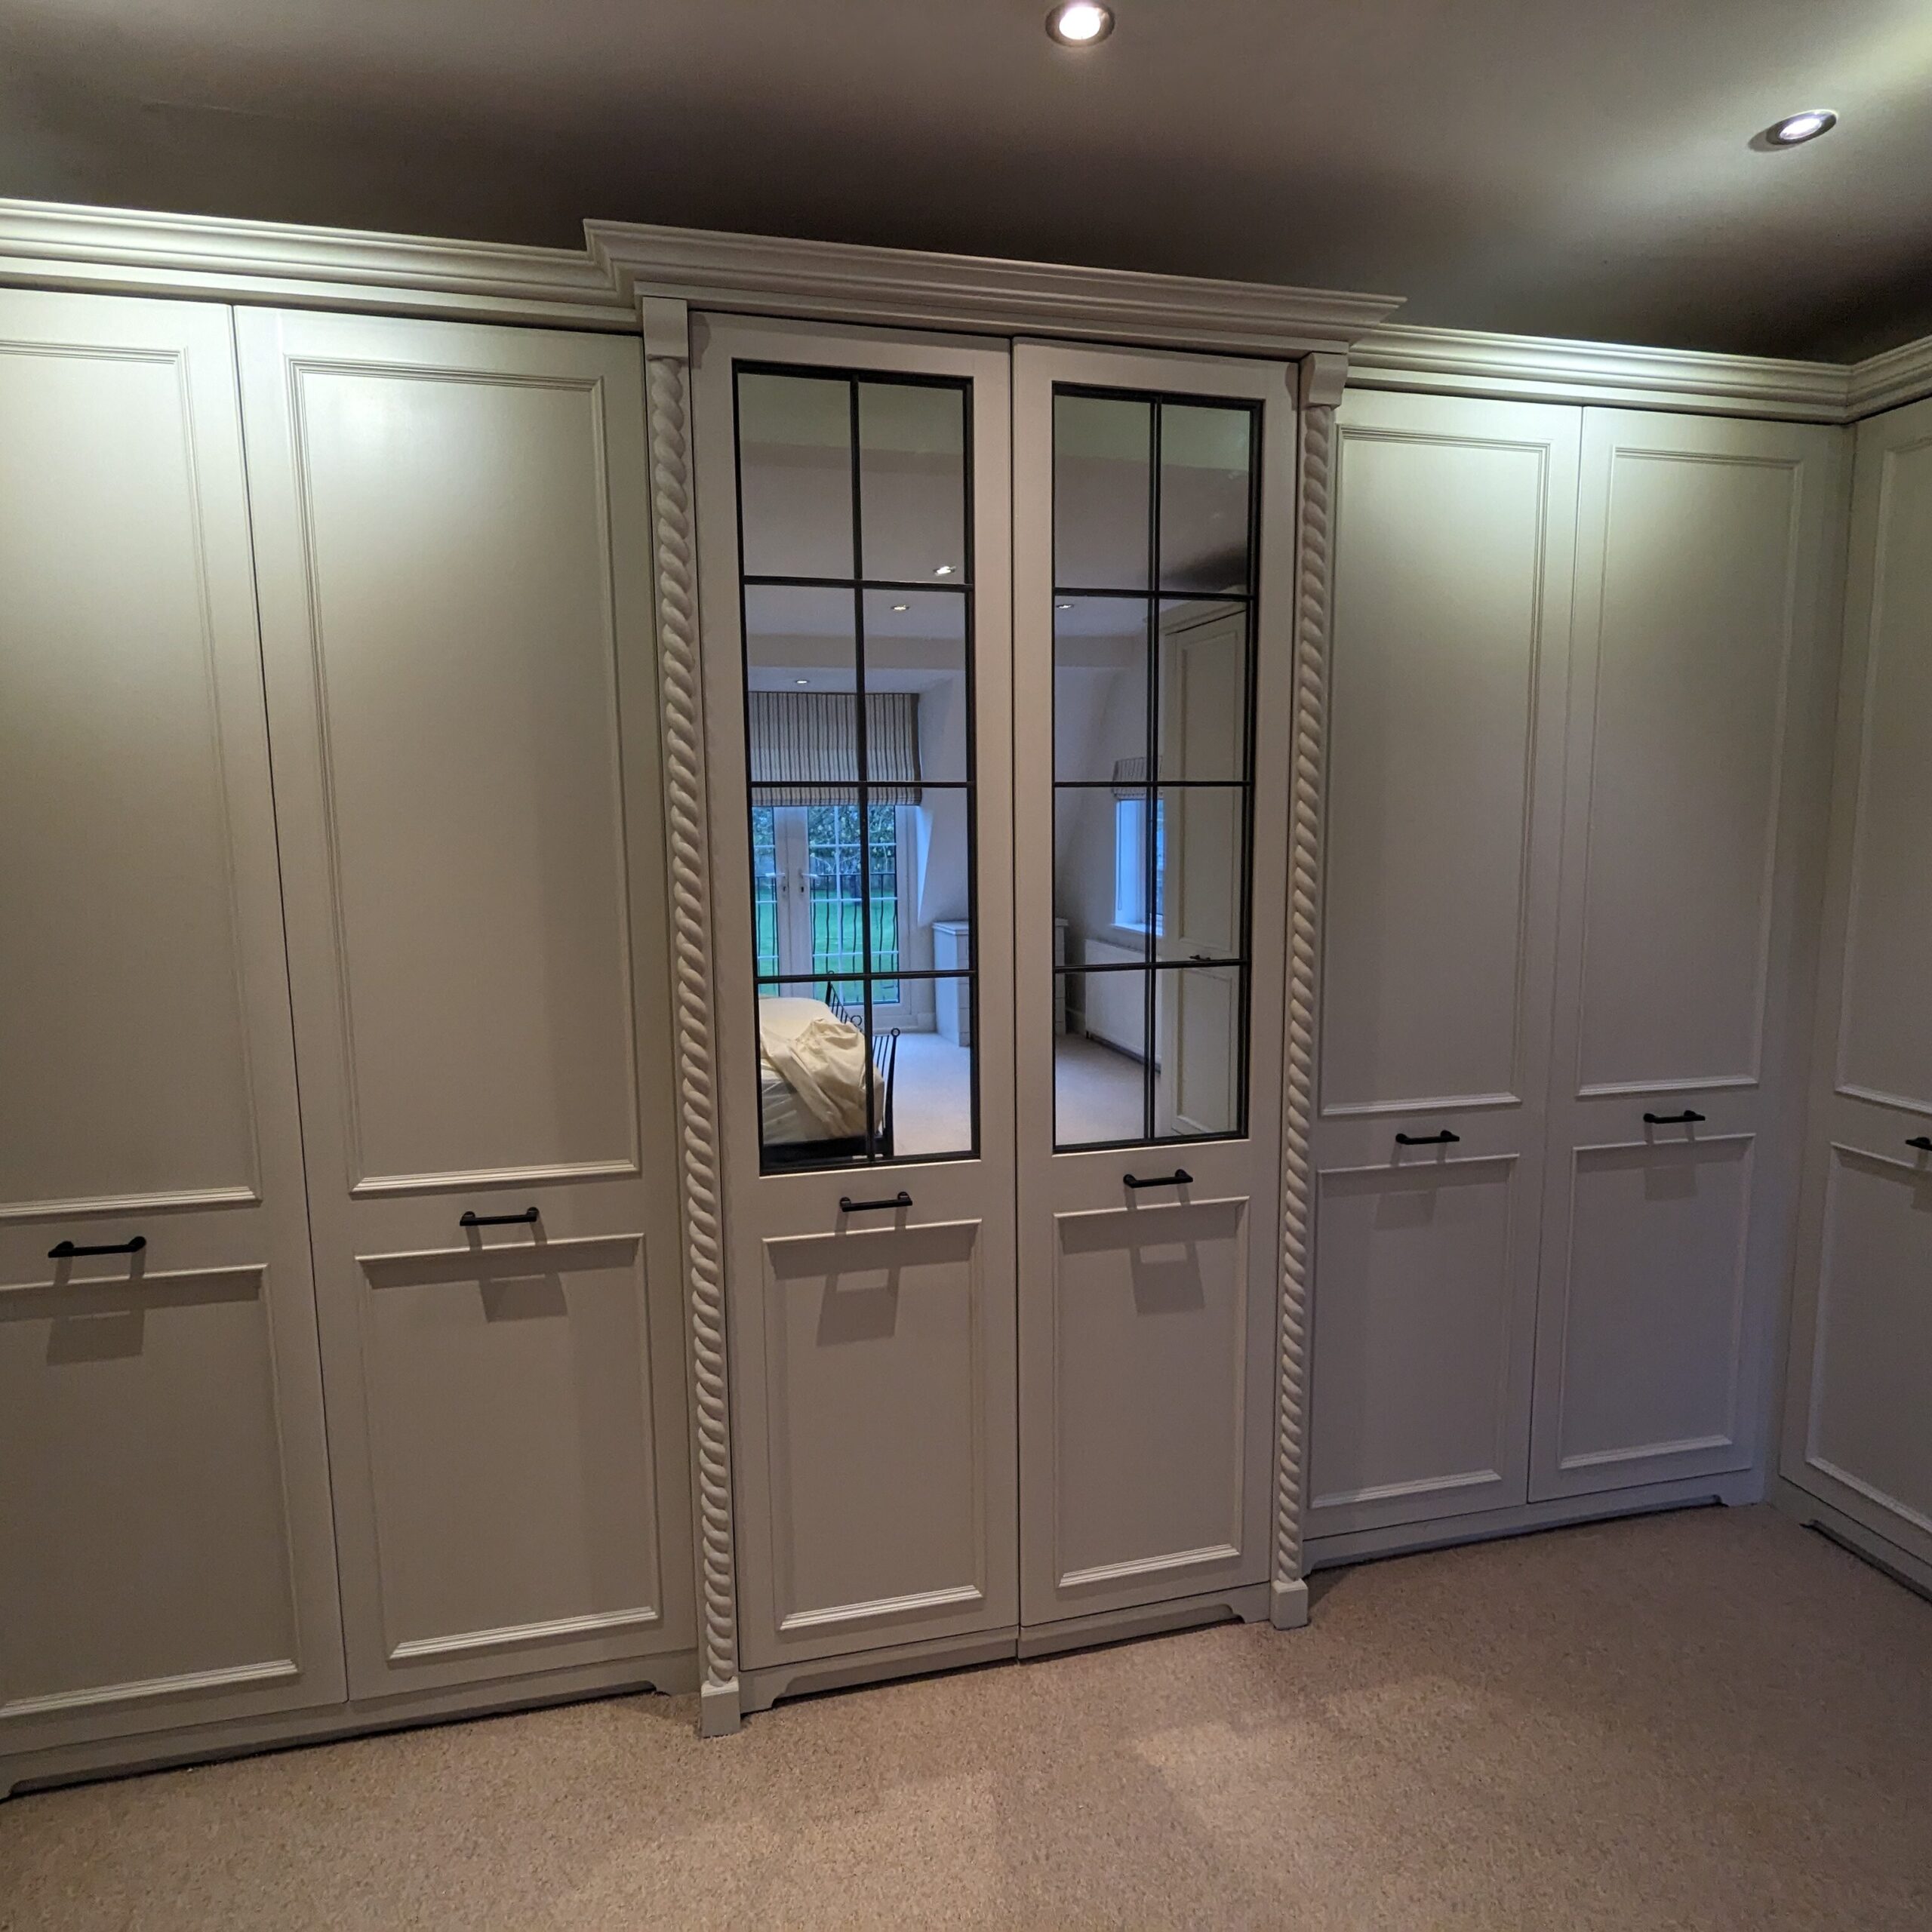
[1131,777]
[805,739]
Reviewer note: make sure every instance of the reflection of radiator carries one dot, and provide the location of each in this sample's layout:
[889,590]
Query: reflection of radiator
[1116,1003]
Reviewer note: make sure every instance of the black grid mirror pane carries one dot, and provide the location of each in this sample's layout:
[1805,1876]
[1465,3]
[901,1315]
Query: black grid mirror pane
[795,462]
[1153,697]
[1207,461]
[857,606]
[913,482]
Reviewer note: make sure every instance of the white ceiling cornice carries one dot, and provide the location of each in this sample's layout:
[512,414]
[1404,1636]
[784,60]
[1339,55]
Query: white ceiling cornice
[1886,381]
[55,245]
[770,276]
[1542,368]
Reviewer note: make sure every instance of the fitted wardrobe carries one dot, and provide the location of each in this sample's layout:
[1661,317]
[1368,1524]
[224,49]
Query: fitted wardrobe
[341,1357]
[1857,1442]
[739,966]
[1583,665]
[993,631]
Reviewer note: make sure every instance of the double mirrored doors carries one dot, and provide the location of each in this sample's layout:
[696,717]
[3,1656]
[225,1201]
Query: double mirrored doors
[997,903]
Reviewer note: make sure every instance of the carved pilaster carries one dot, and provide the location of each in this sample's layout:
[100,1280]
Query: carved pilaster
[667,373]
[1320,390]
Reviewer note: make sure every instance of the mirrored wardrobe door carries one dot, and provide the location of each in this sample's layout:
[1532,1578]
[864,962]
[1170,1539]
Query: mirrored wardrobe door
[1154,509]
[854,517]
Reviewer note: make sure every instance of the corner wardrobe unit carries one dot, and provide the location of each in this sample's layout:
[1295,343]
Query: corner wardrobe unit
[1858,1410]
[982,728]
[277,1458]
[1580,684]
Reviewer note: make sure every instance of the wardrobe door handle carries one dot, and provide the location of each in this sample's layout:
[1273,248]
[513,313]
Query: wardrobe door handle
[476,1220]
[1444,1139]
[1180,1177]
[1688,1117]
[65,1251]
[1923,1142]
[846,1205]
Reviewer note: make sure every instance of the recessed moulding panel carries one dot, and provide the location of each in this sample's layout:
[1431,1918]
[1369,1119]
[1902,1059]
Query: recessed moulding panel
[1886,1051]
[1414,1316]
[875,1367]
[1873,1367]
[1149,1370]
[466,671]
[510,1432]
[1694,638]
[121,1025]
[1653,1300]
[1438,624]
[144,1491]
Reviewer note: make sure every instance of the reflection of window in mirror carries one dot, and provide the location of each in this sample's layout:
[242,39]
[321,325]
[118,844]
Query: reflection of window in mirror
[1131,864]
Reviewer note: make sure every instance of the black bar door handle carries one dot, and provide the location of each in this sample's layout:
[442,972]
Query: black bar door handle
[1180,1177]
[1923,1142]
[65,1251]
[1444,1139]
[471,1219]
[846,1205]
[1688,1117]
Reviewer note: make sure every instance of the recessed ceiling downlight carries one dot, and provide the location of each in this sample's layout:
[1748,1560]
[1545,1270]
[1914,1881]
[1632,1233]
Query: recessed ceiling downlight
[1080,24]
[1794,129]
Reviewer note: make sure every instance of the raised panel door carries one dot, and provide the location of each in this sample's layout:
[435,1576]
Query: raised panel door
[1152,570]
[1454,535]
[853,514]
[1855,1403]
[166,1554]
[1706,600]
[451,530]
[1862,1413]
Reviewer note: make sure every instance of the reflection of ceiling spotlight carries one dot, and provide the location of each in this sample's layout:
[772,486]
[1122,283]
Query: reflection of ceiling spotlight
[944,570]
[803,681]
[1080,24]
[1797,128]
[1063,607]
[899,606]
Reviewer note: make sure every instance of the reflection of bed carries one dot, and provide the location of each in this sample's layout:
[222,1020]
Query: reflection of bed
[812,1100]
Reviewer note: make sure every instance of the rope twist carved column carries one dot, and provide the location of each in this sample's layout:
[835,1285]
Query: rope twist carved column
[1321,391]
[667,378]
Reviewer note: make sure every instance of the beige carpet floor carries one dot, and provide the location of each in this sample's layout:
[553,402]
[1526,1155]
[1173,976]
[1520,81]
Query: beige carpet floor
[1709,1720]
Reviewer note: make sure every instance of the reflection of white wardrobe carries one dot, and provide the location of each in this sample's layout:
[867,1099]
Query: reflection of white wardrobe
[1580,660]
[455,886]
[1858,1411]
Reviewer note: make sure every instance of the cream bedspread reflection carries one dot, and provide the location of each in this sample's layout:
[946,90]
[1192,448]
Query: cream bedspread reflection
[820,1057]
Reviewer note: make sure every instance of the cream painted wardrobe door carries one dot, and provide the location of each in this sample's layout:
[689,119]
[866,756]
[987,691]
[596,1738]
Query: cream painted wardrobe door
[450,525]
[1706,588]
[165,1550]
[852,517]
[1153,534]
[1856,1432]
[1454,534]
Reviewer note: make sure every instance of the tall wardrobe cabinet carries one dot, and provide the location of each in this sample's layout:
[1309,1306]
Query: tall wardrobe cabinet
[1580,673]
[1858,1411]
[165,1542]
[341,1352]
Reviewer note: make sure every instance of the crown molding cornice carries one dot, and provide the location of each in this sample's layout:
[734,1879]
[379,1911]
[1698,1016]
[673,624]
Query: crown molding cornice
[1891,379]
[768,275]
[1546,369]
[57,245]
[54,244]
